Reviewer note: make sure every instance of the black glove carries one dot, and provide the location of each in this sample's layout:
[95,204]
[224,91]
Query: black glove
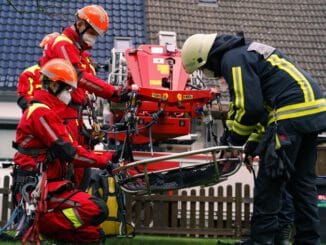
[114,162]
[125,93]
[276,163]
[126,155]
[250,153]
[250,148]
[98,184]
[273,164]
[116,156]
[224,138]
[121,93]
[275,160]
[61,149]
[110,166]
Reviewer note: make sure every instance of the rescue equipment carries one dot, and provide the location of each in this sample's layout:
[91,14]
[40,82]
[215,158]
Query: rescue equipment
[207,171]
[103,185]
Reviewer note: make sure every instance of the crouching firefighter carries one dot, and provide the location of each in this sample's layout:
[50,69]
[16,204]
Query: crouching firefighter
[62,212]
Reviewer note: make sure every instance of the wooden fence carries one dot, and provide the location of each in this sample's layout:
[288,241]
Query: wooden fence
[6,201]
[213,212]
[209,212]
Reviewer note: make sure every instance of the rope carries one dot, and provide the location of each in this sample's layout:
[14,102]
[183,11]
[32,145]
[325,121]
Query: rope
[12,218]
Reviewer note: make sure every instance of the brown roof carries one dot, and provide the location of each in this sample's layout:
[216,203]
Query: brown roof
[298,27]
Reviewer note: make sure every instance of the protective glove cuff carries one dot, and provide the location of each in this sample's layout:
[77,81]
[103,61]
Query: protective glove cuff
[250,148]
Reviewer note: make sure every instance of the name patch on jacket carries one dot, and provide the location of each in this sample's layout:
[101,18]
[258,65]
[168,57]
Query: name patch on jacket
[261,48]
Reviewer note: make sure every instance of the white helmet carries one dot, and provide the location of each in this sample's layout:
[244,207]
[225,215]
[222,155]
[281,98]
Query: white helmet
[195,51]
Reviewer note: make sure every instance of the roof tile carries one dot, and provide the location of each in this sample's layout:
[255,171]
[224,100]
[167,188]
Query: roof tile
[296,27]
[22,31]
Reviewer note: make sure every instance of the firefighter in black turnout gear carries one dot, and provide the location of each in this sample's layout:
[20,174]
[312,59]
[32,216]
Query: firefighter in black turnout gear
[261,80]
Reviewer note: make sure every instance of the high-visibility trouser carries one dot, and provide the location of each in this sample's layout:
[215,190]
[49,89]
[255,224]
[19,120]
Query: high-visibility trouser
[73,216]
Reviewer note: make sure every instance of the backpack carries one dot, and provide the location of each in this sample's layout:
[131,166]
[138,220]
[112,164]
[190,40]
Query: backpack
[103,185]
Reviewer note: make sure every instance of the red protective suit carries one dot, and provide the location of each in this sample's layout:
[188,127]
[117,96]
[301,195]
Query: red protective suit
[67,46]
[74,213]
[28,82]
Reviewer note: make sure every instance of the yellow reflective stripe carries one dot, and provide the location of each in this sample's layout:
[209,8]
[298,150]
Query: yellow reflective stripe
[242,129]
[231,110]
[289,68]
[34,106]
[260,128]
[229,124]
[238,92]
[298,110]
[72,215]
[255,137]
[91,66]
[30,86]
[62,38]
[93,69]
[83,66]
[32,68]
[258,134]
[277,142]
[70,138]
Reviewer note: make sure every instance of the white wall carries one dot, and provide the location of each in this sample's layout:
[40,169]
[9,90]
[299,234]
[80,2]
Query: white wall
[6,137]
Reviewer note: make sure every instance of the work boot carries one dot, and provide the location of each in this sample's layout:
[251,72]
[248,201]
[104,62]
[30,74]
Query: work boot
[243,242]
[247,241]
[282,237]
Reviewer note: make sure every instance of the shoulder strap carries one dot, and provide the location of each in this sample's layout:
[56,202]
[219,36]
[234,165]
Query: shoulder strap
[34,152]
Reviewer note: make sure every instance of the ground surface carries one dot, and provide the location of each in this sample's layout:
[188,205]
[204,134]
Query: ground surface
[148,240]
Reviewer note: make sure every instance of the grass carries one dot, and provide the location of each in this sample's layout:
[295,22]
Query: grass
[150,240]
[166,240]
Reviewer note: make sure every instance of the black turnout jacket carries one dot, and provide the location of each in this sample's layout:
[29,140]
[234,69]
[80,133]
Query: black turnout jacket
[263,80]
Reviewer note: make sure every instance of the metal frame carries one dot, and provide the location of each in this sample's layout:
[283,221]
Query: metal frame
[145,175]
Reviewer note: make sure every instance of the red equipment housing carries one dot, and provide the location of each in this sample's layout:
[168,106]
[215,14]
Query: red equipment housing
[160,83]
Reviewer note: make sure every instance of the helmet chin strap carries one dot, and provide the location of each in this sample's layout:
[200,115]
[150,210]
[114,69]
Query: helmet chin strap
[59,87]
[80,34]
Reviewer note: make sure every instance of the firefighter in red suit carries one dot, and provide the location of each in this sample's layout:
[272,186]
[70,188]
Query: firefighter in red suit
[72,215]
[29,79]
[91,22]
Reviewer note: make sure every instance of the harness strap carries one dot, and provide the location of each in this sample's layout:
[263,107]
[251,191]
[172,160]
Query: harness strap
[22,176]
[40,194]
[34,152]
[11,219]
[74,105]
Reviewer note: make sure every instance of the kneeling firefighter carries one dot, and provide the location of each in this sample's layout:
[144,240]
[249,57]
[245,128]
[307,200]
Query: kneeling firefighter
[62,212]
